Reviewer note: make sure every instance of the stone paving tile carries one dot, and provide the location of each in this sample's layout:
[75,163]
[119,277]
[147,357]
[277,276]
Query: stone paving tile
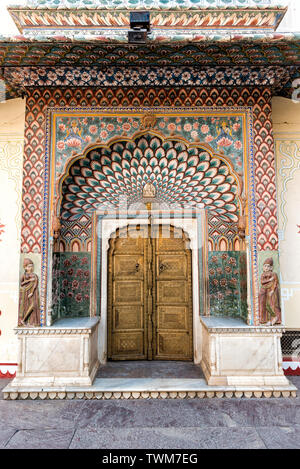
[167,438]
[265,412]
[39,414]
[280,437]
[295,380]
[150,369]
[41,439]
[3,383]
[261,412]
[141,413]
[6,432]
[191,423]
[191,412]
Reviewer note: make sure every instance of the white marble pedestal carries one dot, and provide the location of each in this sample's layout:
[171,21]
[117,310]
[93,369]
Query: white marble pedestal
[240,355]
[65,353]
[61,361]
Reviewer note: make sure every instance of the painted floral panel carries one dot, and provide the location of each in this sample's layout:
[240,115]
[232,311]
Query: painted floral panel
[224,133]
[71,284]
[227,284]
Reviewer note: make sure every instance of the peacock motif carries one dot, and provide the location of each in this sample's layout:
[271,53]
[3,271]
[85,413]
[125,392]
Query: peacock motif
[183,177]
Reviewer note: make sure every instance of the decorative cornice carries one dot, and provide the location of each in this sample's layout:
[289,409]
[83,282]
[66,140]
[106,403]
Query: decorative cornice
[262,330]
[275,77]
[58,395]
[52,331]
[149,76]
[170,16]
[143,4]
[166,49]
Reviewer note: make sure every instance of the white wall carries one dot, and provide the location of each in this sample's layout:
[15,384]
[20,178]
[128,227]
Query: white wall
[291,20]
[286,128]
[12,116]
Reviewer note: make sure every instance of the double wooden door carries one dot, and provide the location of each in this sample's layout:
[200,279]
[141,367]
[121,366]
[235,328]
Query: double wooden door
[150,295]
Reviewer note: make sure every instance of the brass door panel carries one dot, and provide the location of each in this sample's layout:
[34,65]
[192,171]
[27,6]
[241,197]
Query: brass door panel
[173,298]
[126,317]
[150,296]
[174,266]
[130,240]
[126,297]
[173,346]
[128,266]
[171,292]
[128,346]
[170,317]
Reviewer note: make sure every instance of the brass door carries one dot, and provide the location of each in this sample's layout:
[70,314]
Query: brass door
[150,295]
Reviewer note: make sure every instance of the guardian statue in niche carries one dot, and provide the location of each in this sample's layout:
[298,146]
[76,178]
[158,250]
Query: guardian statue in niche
[29,306]
[149,191]
[269,305]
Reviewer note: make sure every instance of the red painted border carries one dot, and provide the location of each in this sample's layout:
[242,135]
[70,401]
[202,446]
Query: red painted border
[289,371]
[7,374]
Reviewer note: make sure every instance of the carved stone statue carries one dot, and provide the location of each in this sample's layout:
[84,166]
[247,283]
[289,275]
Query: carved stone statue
[29,304]
[149,191]
[269,305]
[56,227]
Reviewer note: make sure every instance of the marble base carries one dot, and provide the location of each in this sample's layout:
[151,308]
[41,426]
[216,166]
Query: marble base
[65,354]
[61,362]
[147,388]
[240,355]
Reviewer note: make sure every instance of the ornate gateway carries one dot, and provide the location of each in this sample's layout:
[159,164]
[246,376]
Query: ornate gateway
[149,200]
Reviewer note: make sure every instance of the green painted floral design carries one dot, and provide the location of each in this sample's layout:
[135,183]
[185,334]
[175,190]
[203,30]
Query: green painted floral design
[71,284]
[227,284]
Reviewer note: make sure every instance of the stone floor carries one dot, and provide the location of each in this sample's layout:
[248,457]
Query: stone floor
[151,424]
[151,369]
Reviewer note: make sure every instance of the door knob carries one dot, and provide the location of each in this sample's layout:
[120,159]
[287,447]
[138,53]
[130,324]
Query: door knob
[137,267]
[162,267]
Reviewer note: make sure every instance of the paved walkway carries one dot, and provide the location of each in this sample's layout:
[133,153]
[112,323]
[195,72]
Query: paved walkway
[151,424]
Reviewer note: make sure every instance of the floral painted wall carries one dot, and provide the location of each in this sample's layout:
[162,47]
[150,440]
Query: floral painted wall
[228,284]
[224,133]
[71,285]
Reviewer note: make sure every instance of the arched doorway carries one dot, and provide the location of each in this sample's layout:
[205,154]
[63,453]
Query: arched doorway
[150,313]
